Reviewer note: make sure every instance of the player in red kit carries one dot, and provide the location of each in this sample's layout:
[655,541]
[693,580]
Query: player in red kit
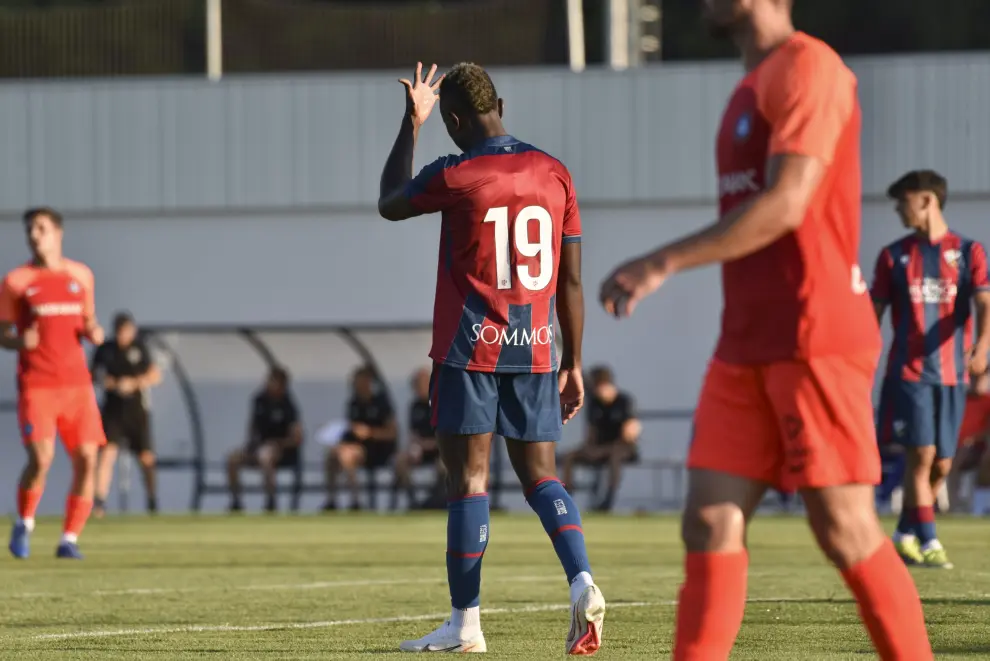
[509,265]
[46,310]
[786,401]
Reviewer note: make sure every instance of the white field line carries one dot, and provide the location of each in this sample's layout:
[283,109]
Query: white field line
[318,585]
[284,626]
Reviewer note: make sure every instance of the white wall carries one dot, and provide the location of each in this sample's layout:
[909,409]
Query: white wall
[360,269]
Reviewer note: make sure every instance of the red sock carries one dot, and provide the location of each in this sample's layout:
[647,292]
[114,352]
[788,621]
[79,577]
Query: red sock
[889,606]
[76,513]
[27,502]
[711,605]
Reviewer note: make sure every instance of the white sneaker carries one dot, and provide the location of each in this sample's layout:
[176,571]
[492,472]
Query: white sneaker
[587,623]
[446,639]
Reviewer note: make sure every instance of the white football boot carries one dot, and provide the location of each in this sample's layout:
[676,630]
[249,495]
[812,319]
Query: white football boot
[587,623]
[447,639]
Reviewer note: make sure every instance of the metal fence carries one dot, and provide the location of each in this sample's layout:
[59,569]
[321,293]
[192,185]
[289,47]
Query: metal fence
[161,37]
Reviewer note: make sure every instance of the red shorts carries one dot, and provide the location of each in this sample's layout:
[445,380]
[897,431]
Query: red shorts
[72,413]
[791,424]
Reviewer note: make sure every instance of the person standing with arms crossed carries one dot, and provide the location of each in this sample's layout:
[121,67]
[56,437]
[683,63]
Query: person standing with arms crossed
[123,366]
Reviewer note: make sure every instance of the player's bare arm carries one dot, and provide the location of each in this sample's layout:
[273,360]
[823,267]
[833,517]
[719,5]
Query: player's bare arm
[152,377]
[570,315]
[793,181]
[978,355]
[295,438]
[386,432]
[421,96]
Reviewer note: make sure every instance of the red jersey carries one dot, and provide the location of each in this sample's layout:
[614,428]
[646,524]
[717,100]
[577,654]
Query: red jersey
[803,295]
[976,419]
[929,288]
[58,303]
[507,208]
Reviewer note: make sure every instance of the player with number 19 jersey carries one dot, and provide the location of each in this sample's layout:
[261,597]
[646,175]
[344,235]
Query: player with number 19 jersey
[507,208]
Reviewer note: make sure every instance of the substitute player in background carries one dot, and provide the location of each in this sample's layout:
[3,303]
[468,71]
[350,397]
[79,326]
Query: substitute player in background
[787,399]
[510,232]
[973,450]
[930,279]
[46,310]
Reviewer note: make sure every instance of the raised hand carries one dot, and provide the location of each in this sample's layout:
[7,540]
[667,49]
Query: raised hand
[421,94]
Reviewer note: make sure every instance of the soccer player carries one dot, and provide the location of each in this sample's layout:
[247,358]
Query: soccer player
[510,258]
[46,310]
[786,402]
[973,435]
[930,279]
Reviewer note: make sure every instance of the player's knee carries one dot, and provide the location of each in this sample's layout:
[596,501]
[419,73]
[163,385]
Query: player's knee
[713,528]
[147,459]
[84,460]
[462,481]
[846,535]
[40,459]
[920,459]
[940,469]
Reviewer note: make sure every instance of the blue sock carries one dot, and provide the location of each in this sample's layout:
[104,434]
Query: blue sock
[561,519]
[467,538]
[906,522]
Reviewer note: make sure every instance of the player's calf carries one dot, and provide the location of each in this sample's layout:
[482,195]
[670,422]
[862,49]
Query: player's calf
[848,531]
[712,599]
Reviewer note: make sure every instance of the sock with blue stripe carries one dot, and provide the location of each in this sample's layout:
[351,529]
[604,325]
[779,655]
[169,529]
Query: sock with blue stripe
[562,520]
[467,538]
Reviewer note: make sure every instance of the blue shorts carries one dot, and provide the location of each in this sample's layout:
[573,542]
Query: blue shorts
[921,414]
[524,407]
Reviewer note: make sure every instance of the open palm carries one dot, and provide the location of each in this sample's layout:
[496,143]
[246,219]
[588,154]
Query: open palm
[421,94]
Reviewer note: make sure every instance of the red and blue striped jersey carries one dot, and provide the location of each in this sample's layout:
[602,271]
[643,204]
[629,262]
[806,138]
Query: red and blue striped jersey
[929,288]
[507,208]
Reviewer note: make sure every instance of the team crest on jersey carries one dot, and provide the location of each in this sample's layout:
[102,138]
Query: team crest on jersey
[953,258]
[133,355]
[74,287]
[744,125]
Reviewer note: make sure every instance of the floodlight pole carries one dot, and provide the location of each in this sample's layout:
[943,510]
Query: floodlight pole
[214,40]
[575,34]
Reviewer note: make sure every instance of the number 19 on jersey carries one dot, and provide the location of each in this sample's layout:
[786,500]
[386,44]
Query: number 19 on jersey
[543,248]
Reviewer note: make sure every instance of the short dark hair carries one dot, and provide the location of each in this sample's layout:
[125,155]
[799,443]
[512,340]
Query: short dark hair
[121,319]
[471,88]
[280,374]
[601,374]
[364,371]
[918,181]
[34,212]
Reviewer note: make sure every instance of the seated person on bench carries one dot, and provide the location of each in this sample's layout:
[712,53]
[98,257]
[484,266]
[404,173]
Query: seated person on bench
[612,434]
[421,450]
[370,440]
[274,439]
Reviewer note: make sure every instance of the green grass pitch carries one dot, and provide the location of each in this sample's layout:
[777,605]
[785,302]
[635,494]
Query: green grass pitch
[353,586]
